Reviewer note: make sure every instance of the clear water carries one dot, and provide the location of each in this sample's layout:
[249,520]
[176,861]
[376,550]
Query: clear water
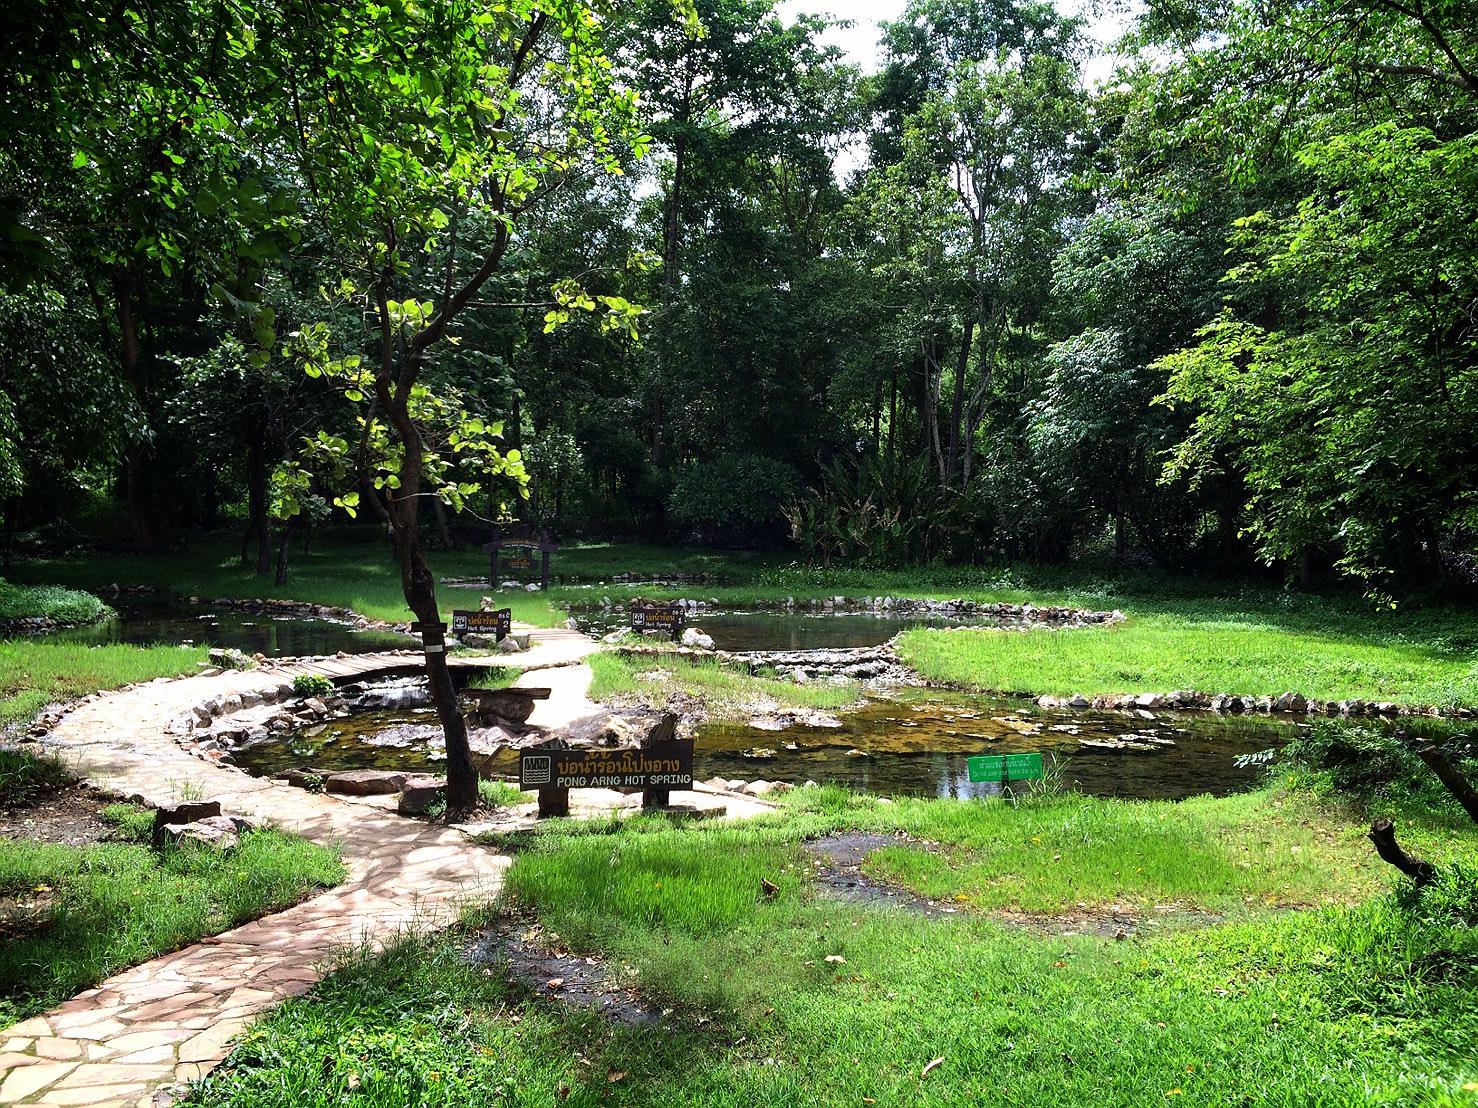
[913,744]
[787,630]
[917,742]
[148,620]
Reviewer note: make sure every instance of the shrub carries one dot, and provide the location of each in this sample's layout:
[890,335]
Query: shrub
[736,497]
[1366,760]
[312,684]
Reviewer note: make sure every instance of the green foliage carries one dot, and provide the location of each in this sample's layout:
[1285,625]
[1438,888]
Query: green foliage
[312,684]
[878,514]
[1376,268]
[739,495]
[113,905]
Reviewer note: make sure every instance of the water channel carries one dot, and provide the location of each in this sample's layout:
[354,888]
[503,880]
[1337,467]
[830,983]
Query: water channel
[157,619]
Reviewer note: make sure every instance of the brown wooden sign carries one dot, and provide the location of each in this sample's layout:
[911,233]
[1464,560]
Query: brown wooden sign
[649,616]
[512,553]
[498,623]
[666,765]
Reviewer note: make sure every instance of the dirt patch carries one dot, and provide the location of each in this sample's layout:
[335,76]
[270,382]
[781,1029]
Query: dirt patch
[69,816]
[837,861]
[1107,921]
[537,963]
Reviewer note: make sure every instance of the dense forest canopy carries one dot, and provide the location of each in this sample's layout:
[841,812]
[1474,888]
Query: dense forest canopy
[660,270]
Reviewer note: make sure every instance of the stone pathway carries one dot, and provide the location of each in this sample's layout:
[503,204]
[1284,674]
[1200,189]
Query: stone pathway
[141,1033]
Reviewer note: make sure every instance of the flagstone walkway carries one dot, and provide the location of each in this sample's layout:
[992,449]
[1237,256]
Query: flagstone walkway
[137,1037]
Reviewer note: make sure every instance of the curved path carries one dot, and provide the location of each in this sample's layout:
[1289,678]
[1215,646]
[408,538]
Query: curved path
[171,1020]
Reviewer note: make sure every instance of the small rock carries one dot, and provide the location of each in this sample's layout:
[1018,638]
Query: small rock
[316,706]
[181,814]
[1291,702]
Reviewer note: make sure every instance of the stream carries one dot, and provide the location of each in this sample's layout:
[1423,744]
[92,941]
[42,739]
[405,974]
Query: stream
[146,620]
[912,742]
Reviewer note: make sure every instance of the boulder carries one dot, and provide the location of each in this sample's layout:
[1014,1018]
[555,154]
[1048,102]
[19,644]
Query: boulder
[316,706]
[310,779]
[420,795]
[695,637]
[366,782]
[219,832]
[183,814]
[764,788]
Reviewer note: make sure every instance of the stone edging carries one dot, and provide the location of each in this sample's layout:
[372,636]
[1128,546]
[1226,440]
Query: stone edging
[957,608]
[1289,703]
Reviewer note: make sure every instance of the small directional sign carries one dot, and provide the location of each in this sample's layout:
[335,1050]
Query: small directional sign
[1005,767]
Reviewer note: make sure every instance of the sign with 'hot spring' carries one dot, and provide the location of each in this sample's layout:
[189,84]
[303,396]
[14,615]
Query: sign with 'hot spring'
[666,765]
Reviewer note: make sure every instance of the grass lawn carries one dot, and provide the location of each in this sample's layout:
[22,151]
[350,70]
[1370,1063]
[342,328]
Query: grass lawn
[800,999]
[48,602]
[72,915]
[1211,650]
[653,679]
[34,673]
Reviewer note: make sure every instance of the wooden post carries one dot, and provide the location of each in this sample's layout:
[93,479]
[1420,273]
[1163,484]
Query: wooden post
[544,570]
[554,802]
[665,731]
[493,567]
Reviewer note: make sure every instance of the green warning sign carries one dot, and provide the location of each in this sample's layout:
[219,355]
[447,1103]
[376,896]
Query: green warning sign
[1005,767]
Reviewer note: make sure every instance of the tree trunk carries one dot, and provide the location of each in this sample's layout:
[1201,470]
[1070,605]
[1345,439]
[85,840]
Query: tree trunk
[1450,776]
[1383,835]
[135,459]
[256,505]
[443,528]
[282,551]
[420,594]
[956,410]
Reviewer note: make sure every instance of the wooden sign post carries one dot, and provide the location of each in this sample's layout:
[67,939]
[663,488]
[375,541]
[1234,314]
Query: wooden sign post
[655,768]
[522,543]
[497,623]
[649,615]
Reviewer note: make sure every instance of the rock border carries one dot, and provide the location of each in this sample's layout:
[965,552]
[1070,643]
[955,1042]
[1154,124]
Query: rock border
[1289,703]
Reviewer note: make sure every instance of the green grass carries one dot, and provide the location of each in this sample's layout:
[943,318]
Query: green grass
[34,674]
[1209,652]
[26,777]
[48,602]
[112,905]
[502,794]
[496,677]
[797,999]
[723,690]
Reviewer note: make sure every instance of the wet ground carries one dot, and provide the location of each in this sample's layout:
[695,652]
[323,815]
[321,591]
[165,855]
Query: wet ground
[521,951]
[149,620]
[915,742]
